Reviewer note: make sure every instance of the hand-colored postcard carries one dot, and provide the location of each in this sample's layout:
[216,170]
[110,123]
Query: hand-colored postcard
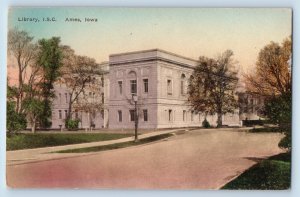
[149,98]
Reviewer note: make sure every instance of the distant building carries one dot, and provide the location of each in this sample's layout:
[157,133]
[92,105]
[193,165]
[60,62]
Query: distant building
[160,80]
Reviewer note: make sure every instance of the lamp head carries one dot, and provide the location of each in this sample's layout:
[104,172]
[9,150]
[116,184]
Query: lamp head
[135,97]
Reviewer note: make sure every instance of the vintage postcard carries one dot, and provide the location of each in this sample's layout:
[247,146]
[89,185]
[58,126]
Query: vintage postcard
[149,98]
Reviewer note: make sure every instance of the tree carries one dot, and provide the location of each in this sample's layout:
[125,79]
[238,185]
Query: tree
[272,79]
[82,76]
[273,71]
[212,86]
[39,90]
[49,58]
[14,121]
[21,47]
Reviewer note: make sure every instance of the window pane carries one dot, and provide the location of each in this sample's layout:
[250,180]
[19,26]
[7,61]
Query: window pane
[170,115]
[133,86]
[120,87]
[145,85]
[66,95]
[131,115]
[120,115]
[145,115]
[169,86]
[59,114]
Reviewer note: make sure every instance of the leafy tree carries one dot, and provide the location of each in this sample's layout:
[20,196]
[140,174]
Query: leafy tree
[212,86]
[14,121]
[34,110]
[49,58]
[272,80]
[279,111]
[39,91]
[273,70]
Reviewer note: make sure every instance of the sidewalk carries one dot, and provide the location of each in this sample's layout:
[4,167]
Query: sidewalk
[46,153]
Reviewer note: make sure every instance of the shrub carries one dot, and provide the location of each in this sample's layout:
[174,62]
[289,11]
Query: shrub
[205,123]
[279,111]
[72,124]
[14,121]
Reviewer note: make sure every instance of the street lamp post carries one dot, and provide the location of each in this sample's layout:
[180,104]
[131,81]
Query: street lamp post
[135,99]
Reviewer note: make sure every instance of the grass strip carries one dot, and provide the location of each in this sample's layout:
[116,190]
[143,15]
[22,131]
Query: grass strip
[266,130]
[118,145]
[271,174]
[38,140]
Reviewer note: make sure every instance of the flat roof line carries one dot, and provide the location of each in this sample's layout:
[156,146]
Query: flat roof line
[150,50]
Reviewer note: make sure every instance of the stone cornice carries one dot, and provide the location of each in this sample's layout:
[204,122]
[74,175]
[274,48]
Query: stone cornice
[150,59]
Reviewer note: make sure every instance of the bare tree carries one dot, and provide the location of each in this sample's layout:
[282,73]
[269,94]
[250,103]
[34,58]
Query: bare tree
[22,48]
[82,76]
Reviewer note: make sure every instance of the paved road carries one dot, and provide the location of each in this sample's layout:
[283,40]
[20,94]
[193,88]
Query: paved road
[195,160]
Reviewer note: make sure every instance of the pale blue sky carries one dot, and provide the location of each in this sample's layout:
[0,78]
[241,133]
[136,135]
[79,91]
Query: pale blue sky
[188,32]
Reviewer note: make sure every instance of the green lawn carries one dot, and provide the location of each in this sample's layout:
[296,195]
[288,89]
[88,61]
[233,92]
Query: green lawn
[117,146]
[270,174]
[25,141]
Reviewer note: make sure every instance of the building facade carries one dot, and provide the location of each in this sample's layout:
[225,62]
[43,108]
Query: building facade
[158,78]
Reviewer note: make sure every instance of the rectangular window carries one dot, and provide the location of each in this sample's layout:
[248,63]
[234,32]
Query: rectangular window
[102,81]
[183,115]
[133,89]
[120,115]
[59,114]
[59,97]
[76,114]
[170,115]
[169,87]
[145,85]
[131,114]
[66,113]
[192,115]
[182,87]
[145,112]
[66,95]
[102,98]
[120,83]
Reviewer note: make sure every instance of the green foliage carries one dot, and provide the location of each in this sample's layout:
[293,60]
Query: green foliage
[212,85]
[205,124]
[50,59]
[72,124]
[38,140]
[286,142]
[267,130]
[14,121]
[33,106]
[279,110]
[274,173]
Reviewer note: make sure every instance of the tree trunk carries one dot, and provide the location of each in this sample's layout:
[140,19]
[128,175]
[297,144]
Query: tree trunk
[33,126]
[219,121]
[20,88]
